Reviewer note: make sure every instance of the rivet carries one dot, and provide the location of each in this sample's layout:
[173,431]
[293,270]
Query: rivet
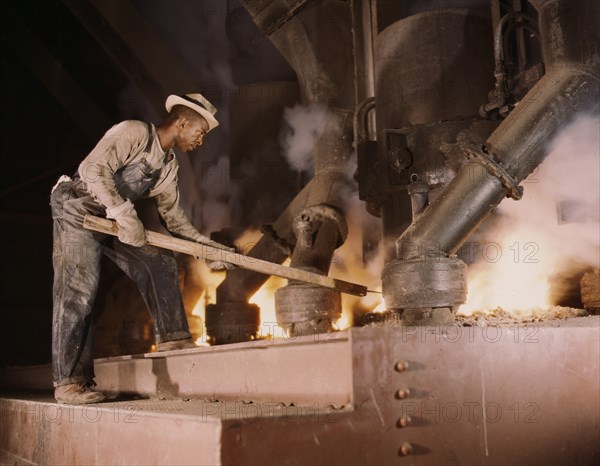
[401,366]
[403,422]
[402,393]
[406,449]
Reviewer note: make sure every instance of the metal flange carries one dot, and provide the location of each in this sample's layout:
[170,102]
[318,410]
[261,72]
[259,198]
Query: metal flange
[431,282]
[472,152]
[307,309]
[321,212]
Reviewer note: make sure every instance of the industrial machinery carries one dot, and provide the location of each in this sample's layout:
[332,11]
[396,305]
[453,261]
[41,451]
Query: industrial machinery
[448,107]
[451,107]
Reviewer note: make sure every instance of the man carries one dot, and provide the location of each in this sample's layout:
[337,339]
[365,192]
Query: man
[133,160]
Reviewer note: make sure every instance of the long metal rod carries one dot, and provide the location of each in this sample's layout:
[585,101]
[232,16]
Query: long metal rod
[213,253]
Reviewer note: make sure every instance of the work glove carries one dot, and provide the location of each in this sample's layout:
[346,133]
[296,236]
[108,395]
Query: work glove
[219,266]
[131,229]
[216,265]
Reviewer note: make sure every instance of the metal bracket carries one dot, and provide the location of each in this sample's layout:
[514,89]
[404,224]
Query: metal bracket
[278,241]
[472,152]
[360,120]
[322,212]
[294,9]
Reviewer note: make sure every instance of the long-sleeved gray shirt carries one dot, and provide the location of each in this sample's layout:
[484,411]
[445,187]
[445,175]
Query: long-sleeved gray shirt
[125,144]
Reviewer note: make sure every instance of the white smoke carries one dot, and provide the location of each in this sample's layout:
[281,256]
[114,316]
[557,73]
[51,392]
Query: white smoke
[562,198]
[305,125]
[572,170]
[554,231]
[360,258]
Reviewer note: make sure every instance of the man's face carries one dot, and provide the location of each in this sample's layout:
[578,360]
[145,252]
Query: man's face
[191,133]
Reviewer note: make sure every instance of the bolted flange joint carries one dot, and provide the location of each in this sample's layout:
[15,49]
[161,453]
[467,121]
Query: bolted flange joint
[306,223]
[304,309]
[425,290]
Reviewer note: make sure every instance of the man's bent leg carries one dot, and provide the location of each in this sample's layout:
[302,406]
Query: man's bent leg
[155,272]
[76,259]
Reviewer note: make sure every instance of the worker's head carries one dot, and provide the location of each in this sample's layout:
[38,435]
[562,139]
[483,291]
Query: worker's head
[192,116]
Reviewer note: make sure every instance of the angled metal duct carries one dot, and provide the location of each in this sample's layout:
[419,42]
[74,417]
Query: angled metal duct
[315,38]
[570,36]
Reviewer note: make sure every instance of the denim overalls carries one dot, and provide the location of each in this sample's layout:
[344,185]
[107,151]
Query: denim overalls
[76,257]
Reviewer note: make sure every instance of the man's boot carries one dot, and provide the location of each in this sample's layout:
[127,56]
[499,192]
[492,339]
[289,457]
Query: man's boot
[186,343]
[78,394]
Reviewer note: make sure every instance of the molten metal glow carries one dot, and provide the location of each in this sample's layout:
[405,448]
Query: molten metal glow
[553,230]
[265,299]
[209,281]
[511,266]
[514,274]
[201,342]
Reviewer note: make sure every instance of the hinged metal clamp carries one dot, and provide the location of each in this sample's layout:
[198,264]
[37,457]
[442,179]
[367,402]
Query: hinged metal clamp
[476,154]
[320,212]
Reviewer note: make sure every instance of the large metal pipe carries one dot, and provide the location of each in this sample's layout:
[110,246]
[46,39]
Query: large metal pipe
[240,284]
[315,38]
[570,37]
[308,309]
[433,70]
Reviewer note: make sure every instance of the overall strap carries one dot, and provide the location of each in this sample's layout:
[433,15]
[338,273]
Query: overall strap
[150,137]
[146,149]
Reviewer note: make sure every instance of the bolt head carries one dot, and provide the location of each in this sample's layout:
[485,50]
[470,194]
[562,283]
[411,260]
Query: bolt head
[403,422]
[406,449]
[401,366]
[402,393]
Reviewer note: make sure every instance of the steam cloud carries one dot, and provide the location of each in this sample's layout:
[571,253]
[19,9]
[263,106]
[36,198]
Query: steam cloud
[562,199]
[350,261]
[553,231]
[305,125]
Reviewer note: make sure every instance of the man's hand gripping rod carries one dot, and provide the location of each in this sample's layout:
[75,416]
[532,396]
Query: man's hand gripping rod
[203,251]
